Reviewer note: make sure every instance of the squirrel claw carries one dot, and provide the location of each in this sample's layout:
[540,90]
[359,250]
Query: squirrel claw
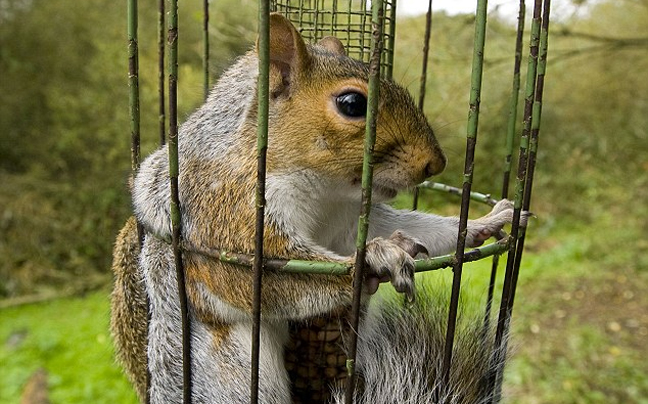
[388,260]
[491,225]
[409,244]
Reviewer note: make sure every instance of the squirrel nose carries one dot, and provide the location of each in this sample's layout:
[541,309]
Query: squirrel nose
[435,166]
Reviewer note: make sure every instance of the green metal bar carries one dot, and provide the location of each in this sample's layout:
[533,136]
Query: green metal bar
[334,18]
[161,74]
[340,268]
[423,80]
[510,136]
[349,18]
[176,219]
[133,84]
[316,22]
[533,145]
[263,94]
[391,43]
[134,114]
[471,140]
[475,196]
[363,28]
[514,100]
[301,14]
[426,52]
[522,165]
[367,178]
[517,243]
[450,260]
[309,267]
[205,48]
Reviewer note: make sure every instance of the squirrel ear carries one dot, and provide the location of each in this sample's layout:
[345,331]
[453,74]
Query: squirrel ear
[332,44]
[288,53]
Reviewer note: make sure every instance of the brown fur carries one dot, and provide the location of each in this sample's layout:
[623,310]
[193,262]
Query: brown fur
[129,307]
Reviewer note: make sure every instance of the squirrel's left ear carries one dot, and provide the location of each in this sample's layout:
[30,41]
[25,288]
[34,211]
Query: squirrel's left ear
[333,45]
[288,54]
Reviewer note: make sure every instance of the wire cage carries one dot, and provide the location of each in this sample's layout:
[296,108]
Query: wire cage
[315,359]
[349,21]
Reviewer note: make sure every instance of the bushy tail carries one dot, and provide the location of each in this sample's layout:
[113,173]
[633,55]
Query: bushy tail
[401,350]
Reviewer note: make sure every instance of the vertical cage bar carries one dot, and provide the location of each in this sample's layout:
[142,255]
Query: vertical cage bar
[301,15]
[522,163]
[514,101]
[262,145]
[533,144]
[471,140]
[348,38]
[334,18]
[367,178]
[391,45]
[175,200]
[363,28]
[423,82]
[510,136]
[161,77]
[133,84]
[507,292]
[134,114]
[426,53]
[205,48]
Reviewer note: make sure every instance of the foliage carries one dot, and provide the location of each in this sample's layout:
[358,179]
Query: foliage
[64,160]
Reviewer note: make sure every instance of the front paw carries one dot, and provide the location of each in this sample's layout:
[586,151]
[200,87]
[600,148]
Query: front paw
[392,260]
[491,225]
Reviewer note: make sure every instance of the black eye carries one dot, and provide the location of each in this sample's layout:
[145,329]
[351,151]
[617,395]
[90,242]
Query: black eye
[353,105]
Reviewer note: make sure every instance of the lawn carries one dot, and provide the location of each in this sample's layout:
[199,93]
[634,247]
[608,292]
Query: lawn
[69,338]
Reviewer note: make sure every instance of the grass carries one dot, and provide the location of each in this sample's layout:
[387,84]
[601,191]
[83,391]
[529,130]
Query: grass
[69,338]
[580,326]
[579,331]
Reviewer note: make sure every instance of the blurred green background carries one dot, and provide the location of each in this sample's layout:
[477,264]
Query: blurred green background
[581,316]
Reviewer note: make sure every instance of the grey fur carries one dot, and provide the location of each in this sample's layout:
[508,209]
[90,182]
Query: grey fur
[409,371]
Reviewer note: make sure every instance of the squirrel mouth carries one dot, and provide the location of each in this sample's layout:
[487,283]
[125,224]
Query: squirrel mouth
[384,191]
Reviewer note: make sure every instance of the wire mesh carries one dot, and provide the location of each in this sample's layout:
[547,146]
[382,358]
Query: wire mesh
[161,77]
[347,20]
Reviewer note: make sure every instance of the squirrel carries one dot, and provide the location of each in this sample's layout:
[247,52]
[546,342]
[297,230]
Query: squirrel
[318,101]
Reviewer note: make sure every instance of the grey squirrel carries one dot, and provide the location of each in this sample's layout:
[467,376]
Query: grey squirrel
[316,130]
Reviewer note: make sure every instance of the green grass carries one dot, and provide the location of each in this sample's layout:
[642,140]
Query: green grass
[69,338]
[580,323]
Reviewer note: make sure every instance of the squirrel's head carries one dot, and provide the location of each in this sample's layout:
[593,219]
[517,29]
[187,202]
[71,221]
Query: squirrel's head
[318,104]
